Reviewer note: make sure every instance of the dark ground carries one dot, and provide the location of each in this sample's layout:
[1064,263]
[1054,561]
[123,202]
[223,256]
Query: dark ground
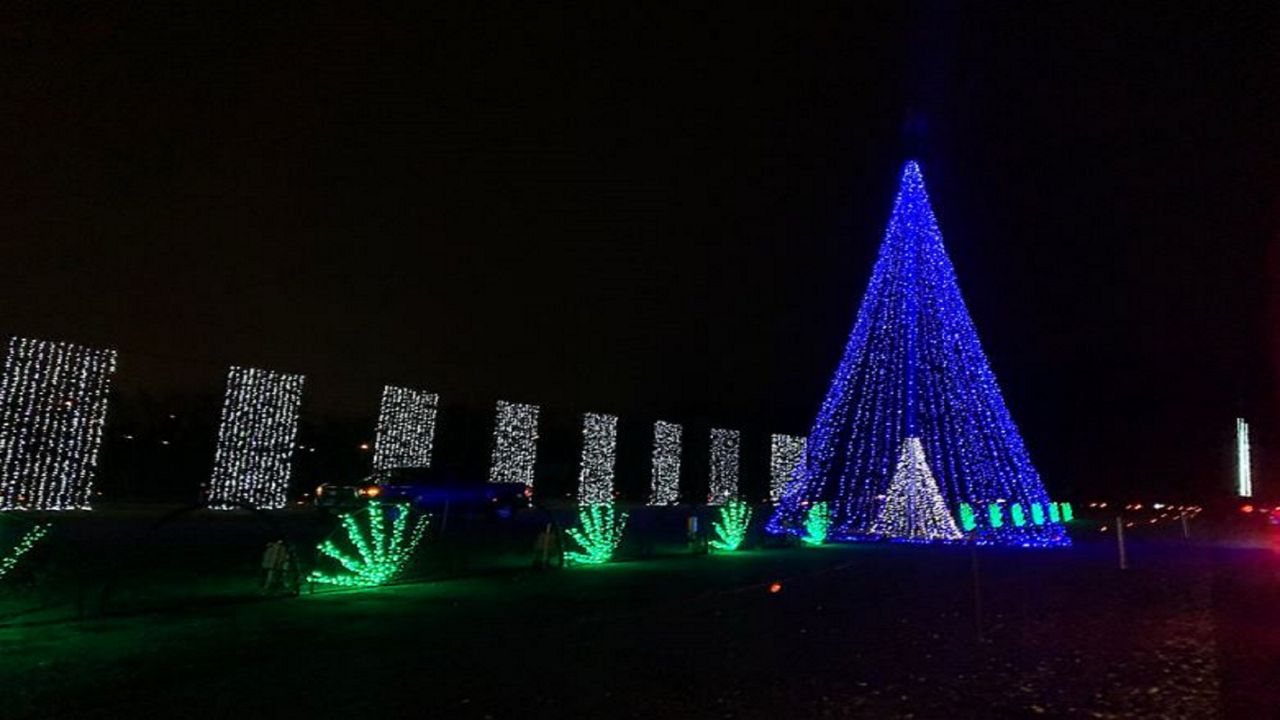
[856,631]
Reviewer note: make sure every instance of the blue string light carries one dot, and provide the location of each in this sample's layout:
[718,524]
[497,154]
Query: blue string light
[913,369]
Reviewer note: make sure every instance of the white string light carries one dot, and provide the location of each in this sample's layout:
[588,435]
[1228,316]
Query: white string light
[1244,475]
[665,486]
[515,443]
[786,455]
[913,507]
[53,405]
[724,465]
[406,428]
[599,456]
[256,439]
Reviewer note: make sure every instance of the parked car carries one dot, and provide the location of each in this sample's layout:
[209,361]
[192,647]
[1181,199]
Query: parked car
[433,488]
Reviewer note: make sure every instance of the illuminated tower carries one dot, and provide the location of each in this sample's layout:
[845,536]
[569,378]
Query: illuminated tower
[1244,474]
[913,423]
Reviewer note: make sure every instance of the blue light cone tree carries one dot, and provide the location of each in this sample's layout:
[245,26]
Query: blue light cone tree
[913,424]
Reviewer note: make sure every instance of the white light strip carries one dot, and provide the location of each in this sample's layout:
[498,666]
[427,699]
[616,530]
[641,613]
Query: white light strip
[53,405]
[665,483]
[515,444]
[785,457]
[1244,472]
[724,466]
[254,458]
[406,428]
[599,456]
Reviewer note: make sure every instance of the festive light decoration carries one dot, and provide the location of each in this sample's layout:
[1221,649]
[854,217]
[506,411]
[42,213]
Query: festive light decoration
[914,509]
[731,528]
[817,523]
[665,488]
[914,373]
[786,457]
[1067,513]
[53,405]
[28,540]
[1055,514]
[1244,473]
[1037,513]
[1019,517]
[995,515]
[967,520]
[254,456]
[599,536]
[380,552]
[599,455]
[515,443]
[406,428]
[724,465]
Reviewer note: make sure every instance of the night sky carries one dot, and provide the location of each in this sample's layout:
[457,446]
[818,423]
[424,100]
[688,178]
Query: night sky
[662,213]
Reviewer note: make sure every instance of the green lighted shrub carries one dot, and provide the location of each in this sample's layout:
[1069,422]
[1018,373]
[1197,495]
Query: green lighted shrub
[599,536]
[1067,513]
[24,545]
[817,523]
[967,519]
[731,528]
[1019,517]
[1037,513]
[381,552]
[995,515]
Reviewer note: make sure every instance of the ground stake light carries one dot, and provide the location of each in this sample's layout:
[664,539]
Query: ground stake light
[380,552]
[599,535]
[731,528]
[817,523]
[23,546]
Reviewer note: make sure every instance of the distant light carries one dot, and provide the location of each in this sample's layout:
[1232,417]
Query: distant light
[1244,476]
[775,587]
[1246,508]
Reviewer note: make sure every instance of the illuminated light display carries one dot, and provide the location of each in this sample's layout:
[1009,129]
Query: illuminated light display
[406,428]
[1068,514]
[515,443]
[381,552]
[256,439]
[665,479]
[1244,472]
[967,520]
[817,524]
[599,455]
[1019,517]
[995,515]
[913,371]
[599,535]
[1037,513]
[731,528]
[725,445]
[1055,514]
[22,547]
[913,508]
[53,405]
[786,457]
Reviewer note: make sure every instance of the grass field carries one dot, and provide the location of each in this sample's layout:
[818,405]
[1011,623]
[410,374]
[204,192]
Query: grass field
[854,631]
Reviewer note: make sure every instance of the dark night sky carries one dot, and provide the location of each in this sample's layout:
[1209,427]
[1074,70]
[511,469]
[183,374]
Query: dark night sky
[661,212]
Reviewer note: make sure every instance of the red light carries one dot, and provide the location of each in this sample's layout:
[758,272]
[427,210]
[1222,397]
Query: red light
[775,588]
[1246,508]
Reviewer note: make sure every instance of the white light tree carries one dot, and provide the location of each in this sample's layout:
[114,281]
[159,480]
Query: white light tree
[913,508]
